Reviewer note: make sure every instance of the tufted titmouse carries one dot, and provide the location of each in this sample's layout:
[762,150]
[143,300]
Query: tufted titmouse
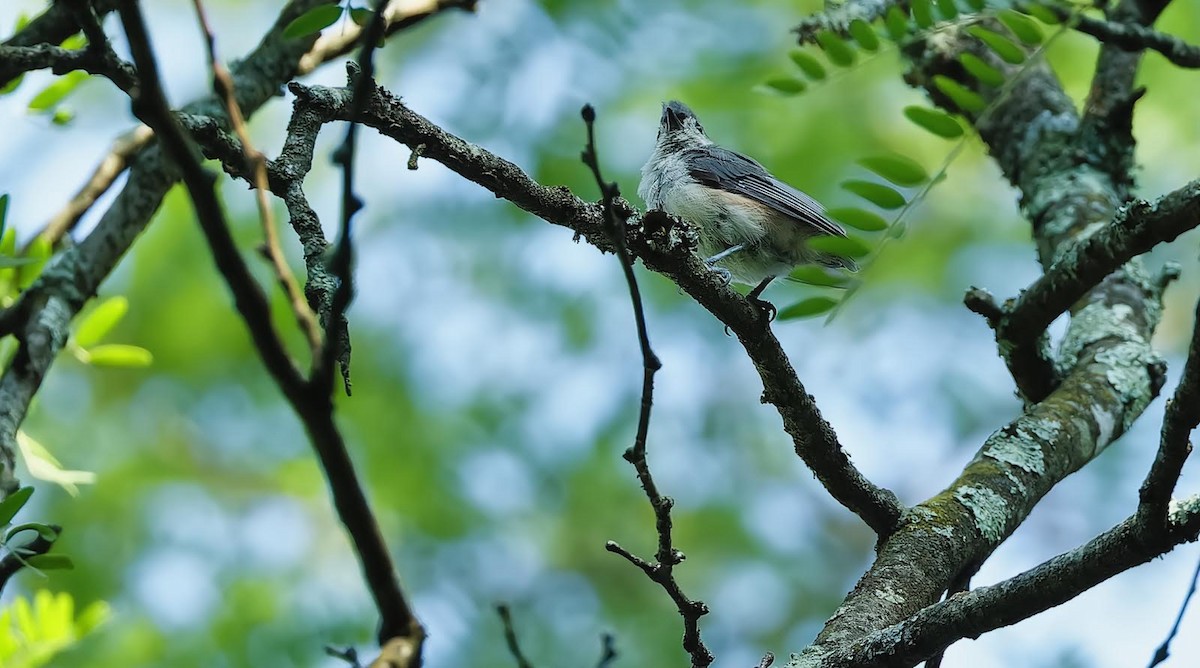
[750,222]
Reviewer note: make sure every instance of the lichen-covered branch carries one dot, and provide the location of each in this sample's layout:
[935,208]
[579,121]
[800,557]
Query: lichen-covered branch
[665,246]
[1054,582]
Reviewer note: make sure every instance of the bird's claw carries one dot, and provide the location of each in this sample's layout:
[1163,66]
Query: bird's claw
[722,273]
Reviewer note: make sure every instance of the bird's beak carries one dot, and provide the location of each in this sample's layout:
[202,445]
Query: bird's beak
[670,120]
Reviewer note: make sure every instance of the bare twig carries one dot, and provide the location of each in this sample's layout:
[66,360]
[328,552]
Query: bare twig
[608,651]
[223,87]
[667,557]
[1182,417]
[510,637]
[1164,650]
[1131,36]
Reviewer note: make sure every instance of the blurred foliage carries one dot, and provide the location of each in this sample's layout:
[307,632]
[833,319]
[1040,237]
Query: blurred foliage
[495,365]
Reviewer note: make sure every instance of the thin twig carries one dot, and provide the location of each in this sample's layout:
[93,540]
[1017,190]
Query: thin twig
[510,637]
[608,651]
[341,262]
[1164,650]
[223,87]
[1182,417]
[667,557]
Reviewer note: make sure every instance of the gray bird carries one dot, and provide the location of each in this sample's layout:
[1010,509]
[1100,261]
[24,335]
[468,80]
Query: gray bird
[751,223]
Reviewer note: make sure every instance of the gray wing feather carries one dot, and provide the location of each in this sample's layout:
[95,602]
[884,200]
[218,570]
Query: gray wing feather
[733,172]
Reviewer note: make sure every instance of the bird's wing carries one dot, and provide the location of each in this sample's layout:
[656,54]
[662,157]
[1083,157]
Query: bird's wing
[733,172]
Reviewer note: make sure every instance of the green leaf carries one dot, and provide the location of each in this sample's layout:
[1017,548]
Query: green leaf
[851,247]
[896,168]
[937,122]
[896,22]
[44,530]
[807,308]
[62,116]
[313,21]
[38,252]
[7,262]
[3,212]
[808,64]
[1022,26]
[976,67]
[12,85]
[51,562]
[785,85]
[1007,49]
[74,42]
[838,50]
[97,324]
[811,274]
[947,9]
[965,98]
[13,503]
[121,355]
[864,34]
[1042,13]
[860,219]
[977,5]
[361,16]
[57,91]
[922,12]
[875,193]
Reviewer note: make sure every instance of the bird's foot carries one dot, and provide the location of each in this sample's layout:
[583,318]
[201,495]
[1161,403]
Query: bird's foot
[722,273]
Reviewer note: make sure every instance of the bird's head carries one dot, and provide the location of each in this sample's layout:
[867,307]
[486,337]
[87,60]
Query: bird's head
[679,124]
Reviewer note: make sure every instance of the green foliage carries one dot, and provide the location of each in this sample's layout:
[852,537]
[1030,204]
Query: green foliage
[898,169]
[99,322]
[864,34]
[13,504]
[785,85]
[839,51]
[1021,25]
[117,355]
[859,219]
[896,22]
[976,67]
[850,246]
[808,64]
[936,122]
[57,91]
[33,634]
[922,13]
[875,193]
[314,20]
[1002,46]
[807,308]
[963,97]
[811,274]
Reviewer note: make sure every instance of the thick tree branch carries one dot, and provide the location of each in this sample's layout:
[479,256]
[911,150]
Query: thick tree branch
[665,246]
[1138,227]
[1052,583]
[60,61]
[51,27]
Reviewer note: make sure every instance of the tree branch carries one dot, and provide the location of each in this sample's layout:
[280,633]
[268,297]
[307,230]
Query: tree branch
[665,246]
[1182,417]
[309,398]
[1051,583]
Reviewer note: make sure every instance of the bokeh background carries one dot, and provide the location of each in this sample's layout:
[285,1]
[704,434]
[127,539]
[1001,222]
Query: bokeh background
[496,370]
